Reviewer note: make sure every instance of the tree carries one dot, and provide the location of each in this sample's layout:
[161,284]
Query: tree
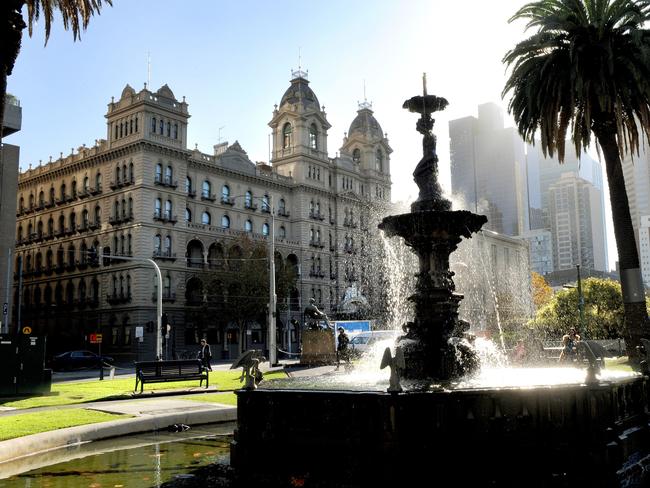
[603,311]
[75,15]
[239,291]
[587,69]
[542,292]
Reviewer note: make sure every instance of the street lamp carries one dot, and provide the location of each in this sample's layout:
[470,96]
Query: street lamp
[581,303]
[267,200]
[158,296]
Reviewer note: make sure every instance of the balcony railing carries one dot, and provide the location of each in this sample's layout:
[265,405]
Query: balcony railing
[283,213]
[228,201]
[316,216]
[121,183]
[164,254]
[165,217]
[250,206]
[191,193]
[165,181]
[120,219]
[167,296]
[118,297]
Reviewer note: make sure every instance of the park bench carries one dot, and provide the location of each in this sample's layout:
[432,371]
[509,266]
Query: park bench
[172,370]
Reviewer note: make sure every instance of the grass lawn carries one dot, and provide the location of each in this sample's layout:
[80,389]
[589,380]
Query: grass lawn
[71,393]
[618,364]
[33,423]
[227,398]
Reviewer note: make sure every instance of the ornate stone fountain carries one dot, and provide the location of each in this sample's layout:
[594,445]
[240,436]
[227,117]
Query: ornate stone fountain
[436,345]
[326,434]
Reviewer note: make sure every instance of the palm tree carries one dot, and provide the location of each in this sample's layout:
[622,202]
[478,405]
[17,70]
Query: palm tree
[586,70]
[75,15]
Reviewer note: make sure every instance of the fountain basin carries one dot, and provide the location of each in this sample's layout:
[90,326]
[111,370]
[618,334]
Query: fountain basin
[536,436]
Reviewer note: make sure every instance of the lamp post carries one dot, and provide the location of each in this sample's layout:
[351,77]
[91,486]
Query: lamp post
[158,296]
[581,303]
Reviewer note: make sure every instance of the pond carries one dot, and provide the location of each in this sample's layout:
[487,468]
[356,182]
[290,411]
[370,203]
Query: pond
[143,460]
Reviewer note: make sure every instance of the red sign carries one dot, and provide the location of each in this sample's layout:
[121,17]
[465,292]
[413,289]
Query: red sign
[95,338]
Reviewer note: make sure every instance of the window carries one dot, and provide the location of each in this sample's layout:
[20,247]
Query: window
[159,171]
[162,127]
[188,185]
[98,181]
[169,172]
[265,229]
[286,135]
[31,197]
[168,209]
[313,136]
[265,204]
[168,244]
[153,125]
[248,200]
[86,184]
[206,189]
[205,218]
[175,134]
[283,232]
[248,226]
[52,198]
[356,156]
[188,215]
[157,210]
[41,198]
[282,207]
[98,215]
[157,243]
[225,193]
[225,222]
[169,129]
[379,161]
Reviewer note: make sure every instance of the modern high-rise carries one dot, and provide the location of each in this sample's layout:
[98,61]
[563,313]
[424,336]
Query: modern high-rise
[9,161]
[488,170]
[576,223]
[140,192]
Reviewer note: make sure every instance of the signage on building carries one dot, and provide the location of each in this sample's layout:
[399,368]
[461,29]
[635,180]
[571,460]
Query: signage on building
[27,330]
[95,338]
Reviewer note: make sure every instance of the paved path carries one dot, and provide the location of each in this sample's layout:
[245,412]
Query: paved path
[155,412]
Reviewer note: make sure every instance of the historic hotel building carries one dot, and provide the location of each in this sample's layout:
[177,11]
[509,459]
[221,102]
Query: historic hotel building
[141,192]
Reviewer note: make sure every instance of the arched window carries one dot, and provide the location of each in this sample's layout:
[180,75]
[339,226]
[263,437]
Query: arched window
[313,136]
[83,252]
[73,221]
[287,130]
[41,198]
[62,195]
[39,229]
[282,207]
[205,218]
[157,243]
[283,232]
[188,184]
[86,184]
[265,229]
[71,254]
[31,198]
[131,126]
[175,134]
[379,161]
[157,209]
[52,198]
[136,123]
[225,222]
[98,182]
[84,218]
[248,226]
[162,127]
[118,175]
[98,215]
[168,244]
[20,232]
[248,199]
[130,172]
[82,291]
[169,129]
[159,171]
[356,156]
[168,209]
[265,204]
[61,224]
[50,227]
[169,173]
[74,188]
[153,125]
[206,189]
[225,193]
[188,215]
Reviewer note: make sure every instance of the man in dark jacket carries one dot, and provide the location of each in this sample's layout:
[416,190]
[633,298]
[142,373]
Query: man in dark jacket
[205,355]
[342,348]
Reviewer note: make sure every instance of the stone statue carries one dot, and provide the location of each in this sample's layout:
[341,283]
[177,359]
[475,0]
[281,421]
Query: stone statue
[396,364]
[250,361]
[313,316]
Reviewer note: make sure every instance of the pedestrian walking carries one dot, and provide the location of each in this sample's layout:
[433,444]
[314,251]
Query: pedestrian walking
[342,352]
[205,354]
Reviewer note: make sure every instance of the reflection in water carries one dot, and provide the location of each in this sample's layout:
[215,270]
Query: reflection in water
[145,461]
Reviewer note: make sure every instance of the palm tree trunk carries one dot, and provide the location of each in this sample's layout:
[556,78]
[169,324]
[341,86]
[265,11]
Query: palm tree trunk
[636,315]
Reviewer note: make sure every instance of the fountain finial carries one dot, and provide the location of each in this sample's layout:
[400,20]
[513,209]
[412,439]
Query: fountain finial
[426,172]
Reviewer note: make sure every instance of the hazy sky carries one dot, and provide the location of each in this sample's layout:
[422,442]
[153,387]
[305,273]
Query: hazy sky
[232,60]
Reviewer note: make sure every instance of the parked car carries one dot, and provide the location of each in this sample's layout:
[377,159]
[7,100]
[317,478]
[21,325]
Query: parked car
[78,359]
[364,341]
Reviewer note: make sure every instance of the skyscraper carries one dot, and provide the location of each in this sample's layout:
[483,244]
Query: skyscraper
[488,169]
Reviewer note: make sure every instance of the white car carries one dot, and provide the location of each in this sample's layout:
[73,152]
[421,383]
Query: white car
[364,341]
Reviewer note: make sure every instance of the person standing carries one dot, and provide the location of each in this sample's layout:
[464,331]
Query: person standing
[569,343]
[205,354]
[342,348]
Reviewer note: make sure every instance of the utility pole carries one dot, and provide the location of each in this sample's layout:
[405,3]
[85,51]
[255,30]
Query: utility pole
[581,304]
[273,356]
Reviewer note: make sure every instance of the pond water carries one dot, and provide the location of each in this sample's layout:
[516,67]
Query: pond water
[142,461]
